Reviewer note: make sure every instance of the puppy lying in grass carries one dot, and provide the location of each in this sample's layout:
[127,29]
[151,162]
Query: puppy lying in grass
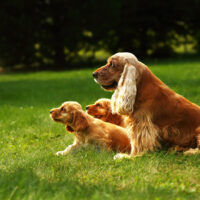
[101,109]
[88,130]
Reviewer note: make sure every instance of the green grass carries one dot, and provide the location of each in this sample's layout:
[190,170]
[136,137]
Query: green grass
[29,140]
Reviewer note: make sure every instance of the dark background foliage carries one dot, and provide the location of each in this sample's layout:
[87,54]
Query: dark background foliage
[52,33]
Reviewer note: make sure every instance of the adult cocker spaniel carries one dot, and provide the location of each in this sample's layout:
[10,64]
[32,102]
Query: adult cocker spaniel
[157,115]
[88,130]
[101,109]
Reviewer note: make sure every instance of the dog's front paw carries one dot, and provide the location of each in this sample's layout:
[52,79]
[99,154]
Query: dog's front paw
[121,156]
[60,153]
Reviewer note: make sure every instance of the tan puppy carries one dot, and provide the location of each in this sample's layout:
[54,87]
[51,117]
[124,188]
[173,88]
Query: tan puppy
[101,109]
[88,130]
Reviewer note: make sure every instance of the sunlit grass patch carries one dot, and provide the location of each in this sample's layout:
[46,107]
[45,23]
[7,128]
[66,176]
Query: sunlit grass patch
[29,140]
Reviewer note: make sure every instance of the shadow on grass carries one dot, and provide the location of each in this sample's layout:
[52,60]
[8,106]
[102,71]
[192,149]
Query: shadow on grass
[25,184]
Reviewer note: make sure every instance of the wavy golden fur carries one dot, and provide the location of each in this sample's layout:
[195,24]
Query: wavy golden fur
[158,115]
[88,130]
[101,109]
[121,103]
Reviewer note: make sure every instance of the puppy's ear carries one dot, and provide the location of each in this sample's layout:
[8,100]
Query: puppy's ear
[80,121]
[123,99]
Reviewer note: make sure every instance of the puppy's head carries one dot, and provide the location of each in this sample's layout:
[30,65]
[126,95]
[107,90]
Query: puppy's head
[100,109]
[70,114]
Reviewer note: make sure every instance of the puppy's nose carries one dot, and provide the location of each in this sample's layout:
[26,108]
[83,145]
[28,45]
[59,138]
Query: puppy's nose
[51,111]
[95,74]
[87,107]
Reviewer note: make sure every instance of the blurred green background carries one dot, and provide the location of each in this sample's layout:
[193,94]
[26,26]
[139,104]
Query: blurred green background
[63,34]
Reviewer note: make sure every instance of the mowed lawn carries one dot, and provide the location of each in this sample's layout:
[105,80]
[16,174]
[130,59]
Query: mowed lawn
[29,140]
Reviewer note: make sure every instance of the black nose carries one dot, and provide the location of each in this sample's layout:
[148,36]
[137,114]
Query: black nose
[86,107]
[95,74]
[51,111]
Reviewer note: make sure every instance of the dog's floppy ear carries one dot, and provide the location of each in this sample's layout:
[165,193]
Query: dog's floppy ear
[80,121]
[123,99]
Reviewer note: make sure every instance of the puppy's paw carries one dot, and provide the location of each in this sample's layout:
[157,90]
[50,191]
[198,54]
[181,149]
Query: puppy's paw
[121,156]
[60,153]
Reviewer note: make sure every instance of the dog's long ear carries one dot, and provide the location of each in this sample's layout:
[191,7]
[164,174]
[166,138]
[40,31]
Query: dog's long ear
[80,121]
[123,99]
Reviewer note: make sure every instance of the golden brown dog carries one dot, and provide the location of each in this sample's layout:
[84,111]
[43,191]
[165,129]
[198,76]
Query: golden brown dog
[89,130]
[101,109]
[157,115]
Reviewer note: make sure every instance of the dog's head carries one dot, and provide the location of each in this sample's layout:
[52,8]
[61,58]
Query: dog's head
[109,75]
[121,74]
[71,114]
[100,109]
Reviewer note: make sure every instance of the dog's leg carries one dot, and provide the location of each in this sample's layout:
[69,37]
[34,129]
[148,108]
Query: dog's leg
[120,156]
[132,155]
[144,136]
[69,149]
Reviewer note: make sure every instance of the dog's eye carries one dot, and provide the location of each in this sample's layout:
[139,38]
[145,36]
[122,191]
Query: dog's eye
[111,64]
[62,109]
[99,105]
